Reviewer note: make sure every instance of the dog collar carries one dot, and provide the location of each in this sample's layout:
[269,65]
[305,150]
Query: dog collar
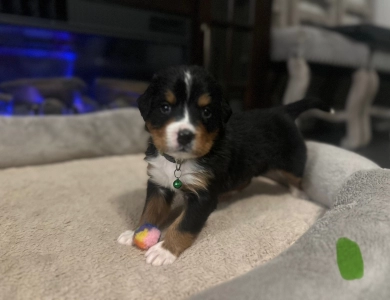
[169,158]
[177,184]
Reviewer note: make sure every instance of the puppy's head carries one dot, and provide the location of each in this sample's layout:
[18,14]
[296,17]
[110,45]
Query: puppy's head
[184,111]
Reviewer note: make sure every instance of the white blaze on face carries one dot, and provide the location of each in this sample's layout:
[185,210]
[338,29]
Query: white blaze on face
[188,81]
[173,129]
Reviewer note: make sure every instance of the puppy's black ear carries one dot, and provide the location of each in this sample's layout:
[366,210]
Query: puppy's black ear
[225,106]
[226,110]
[145,102]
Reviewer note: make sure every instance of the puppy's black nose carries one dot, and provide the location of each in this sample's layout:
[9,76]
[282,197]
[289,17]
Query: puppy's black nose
[185,137]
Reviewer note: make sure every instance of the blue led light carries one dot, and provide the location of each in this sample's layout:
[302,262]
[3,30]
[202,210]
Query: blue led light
[37,53]
[32,95]
[9,109]
[6,109]
[40,33]
[47,34]
[80,105]
[69,69]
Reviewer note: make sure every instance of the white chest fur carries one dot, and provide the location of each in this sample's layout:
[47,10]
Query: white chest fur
[161,171]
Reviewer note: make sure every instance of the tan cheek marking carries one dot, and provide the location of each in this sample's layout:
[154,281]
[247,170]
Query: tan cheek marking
[156,211]
[177,241]
[204,140]
[159,135]
[204,100]
[170,97]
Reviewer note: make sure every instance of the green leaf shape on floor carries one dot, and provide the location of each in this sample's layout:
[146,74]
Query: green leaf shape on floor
[349,259]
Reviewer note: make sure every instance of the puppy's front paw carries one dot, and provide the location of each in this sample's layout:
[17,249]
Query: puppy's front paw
[158,256]
[126,238]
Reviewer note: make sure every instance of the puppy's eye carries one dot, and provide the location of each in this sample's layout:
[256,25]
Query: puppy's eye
[165,108]
[206,113]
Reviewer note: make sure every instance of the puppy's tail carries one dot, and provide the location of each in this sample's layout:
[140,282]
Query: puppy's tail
[296,108]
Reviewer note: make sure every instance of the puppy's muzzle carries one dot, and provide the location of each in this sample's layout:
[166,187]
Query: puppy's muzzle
[185,137]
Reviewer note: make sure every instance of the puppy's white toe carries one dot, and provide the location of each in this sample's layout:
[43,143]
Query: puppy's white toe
[158,256]
[126,238]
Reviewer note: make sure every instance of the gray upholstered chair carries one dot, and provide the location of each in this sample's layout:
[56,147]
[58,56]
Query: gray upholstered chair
[299,45]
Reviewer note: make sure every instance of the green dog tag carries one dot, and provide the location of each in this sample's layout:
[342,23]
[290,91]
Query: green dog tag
[177,184]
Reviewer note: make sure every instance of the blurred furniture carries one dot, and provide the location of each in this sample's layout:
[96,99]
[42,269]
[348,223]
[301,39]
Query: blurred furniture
[48,96]
[378,40]
[235,42]
[302,45]
[231,38]
[47,9]
[43,95]
[116,93]
[352,12]
[280,11]
[313,12]
[301,37]
[41,53]
[324,12]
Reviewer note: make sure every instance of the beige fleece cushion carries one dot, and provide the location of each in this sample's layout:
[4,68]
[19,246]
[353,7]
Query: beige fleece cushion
[59,225]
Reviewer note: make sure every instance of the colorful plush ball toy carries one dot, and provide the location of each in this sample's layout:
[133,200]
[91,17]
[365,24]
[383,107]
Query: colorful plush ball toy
[146,236]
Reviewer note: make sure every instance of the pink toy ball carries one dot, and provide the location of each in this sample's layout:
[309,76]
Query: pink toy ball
[146,236]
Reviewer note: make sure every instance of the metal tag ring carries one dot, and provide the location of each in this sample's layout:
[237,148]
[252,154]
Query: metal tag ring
[177,176]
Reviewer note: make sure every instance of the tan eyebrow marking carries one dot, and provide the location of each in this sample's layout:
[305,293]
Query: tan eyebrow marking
[170,97]
[204,100]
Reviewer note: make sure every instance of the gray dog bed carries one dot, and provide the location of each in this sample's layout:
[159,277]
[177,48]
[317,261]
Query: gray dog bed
[60,220]
[359,209]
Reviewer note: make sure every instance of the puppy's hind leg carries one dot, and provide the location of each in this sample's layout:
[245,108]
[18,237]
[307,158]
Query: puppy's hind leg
[226,196]
[295,185]
[277,176]
[288,180]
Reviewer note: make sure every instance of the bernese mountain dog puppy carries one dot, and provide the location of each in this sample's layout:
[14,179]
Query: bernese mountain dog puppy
[200,150]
